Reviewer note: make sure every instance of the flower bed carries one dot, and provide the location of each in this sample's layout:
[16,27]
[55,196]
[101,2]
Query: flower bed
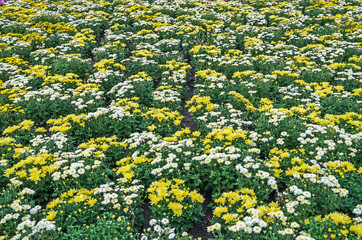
[180,119]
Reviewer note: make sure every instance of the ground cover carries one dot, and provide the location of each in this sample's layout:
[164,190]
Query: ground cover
[180,119]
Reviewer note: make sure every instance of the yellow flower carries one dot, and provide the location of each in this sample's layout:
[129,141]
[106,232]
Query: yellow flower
[9,171]
[337,218]
[21,174]
[192,109]
[176,208]
[196,133]
[219,210]
[344,232]
[6,141]
[220,200]
[11,129]
[210,107]
[51,215]
[196,197]
[126,171]
[80,198]
[356,229]
[53,203]
[91,202]
[41,129]
[151,128]
[178,181]
[26,125]
[35,174]
[179,194]
[228,217]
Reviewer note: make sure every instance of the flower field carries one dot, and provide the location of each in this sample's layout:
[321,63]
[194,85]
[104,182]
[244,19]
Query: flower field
[181,119]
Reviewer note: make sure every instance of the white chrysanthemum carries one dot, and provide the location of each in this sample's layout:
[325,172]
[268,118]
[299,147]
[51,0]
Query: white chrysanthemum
[153,222]
[241,224]
[294,225]
[307,194]
[165,221]
[300,198]
[263,224]
[248,230]
[357,211]
[290,210]
[217,226]
[257,229]
[210,228]
[234,228]
[157,228]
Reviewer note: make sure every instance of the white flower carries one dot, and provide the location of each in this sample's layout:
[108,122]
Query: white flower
[248,230]
[171,236]
[234,228]
[290,210]
[271,182]
[249,223]
[20,227]
[298,192]
[28,191]
[357,211]
[280,141]
[35,209]
[157,228]
[262,223]
[300,198]
[17,236]
[241,224]
[307,194]
[165,221]
[210,228]
[30,223]
[279,214]
[153,222]
[294,225]
[343,193]
[217,226]
[257,229]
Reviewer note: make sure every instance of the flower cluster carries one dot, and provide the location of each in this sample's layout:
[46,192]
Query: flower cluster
[173,200]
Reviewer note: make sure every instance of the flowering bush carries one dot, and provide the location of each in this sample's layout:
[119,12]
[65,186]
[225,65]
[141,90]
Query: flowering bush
[171,199]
